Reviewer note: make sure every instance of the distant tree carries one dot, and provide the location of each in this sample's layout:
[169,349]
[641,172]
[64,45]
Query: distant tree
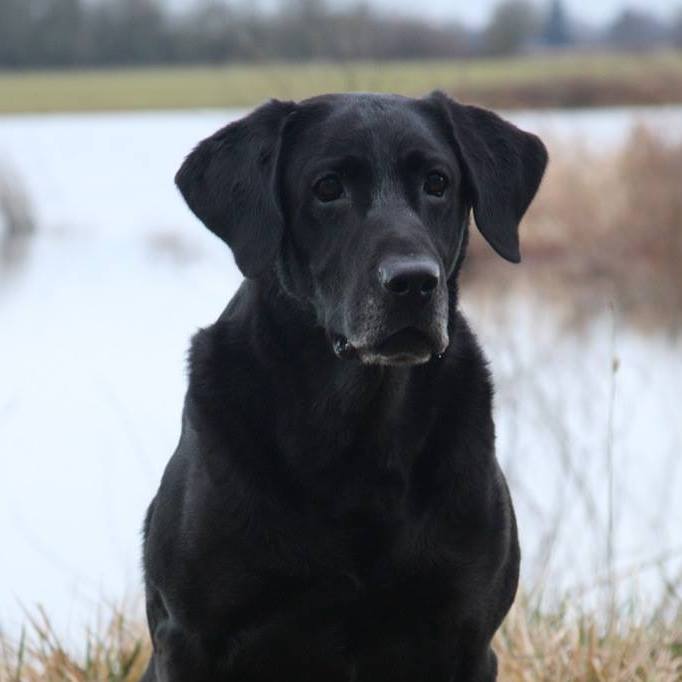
[58,33]
[636,30]
[557,33]
[356,34]
[212,31]
[676,31]
[405,39]
[15,28]
[304,29]
[513,25]
[129,32]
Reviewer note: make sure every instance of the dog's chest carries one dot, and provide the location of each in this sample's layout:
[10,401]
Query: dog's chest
[356,469]
[382,542]
[366,503]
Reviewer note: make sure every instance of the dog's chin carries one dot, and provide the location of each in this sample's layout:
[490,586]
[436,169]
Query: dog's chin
[404,359]
[406,347]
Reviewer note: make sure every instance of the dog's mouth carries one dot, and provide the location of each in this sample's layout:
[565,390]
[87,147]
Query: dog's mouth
[407,346]
[404,345]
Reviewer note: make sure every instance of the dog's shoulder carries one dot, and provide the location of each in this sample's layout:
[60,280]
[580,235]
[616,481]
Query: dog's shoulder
[221,364]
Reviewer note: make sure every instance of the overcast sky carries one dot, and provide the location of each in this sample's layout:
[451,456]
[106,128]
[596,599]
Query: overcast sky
[476,12]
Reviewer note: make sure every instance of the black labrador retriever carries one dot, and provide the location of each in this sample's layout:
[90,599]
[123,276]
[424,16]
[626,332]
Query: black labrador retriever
[334,511]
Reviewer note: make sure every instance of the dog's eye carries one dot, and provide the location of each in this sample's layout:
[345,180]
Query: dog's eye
[328,188]
[436,184]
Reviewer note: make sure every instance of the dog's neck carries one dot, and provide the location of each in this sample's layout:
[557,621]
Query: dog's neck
[330,411]
[294,339]
[291,343]
[319,411]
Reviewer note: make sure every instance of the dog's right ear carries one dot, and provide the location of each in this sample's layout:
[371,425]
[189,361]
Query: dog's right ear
[230,183]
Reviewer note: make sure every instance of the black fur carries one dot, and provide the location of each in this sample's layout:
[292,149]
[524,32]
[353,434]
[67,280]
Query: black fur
[334,510]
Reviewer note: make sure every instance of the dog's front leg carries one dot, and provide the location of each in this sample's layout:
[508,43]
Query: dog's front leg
[477,667]
[179,656]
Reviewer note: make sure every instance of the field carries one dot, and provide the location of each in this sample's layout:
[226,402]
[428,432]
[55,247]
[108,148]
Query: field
[539,81]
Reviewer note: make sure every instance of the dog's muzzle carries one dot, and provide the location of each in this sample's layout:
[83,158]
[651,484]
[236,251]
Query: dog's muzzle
[403,320]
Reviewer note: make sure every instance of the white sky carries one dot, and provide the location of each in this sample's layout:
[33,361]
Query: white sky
[476,12]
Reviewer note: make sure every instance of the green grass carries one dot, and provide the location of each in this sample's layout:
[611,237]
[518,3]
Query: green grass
[245,85]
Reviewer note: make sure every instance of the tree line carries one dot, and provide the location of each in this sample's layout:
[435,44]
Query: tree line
[79,33]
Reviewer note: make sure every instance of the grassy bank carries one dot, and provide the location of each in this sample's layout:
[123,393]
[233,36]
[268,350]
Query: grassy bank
[531,647]
[558,80]
[604,227]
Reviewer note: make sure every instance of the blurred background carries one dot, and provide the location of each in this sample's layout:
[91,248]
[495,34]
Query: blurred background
[104,273]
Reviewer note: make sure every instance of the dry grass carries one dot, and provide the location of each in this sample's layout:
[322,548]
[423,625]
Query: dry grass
[605,227]
[117,653]
[531,647]
[586,89]
[17,223]
[535,647]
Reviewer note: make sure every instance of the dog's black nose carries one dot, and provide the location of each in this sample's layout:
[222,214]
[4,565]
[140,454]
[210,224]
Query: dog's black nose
[410,276]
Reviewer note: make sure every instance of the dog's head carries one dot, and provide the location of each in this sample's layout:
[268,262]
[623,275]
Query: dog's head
[360,203]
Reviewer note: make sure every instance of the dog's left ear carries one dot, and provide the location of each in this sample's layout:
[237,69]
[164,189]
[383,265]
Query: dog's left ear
[230,183]
[503,165]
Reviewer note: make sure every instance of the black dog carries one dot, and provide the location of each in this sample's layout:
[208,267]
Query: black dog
[334,510]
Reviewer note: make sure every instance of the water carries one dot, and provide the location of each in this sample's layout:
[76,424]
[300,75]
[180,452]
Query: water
[601,129]
[95,326]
